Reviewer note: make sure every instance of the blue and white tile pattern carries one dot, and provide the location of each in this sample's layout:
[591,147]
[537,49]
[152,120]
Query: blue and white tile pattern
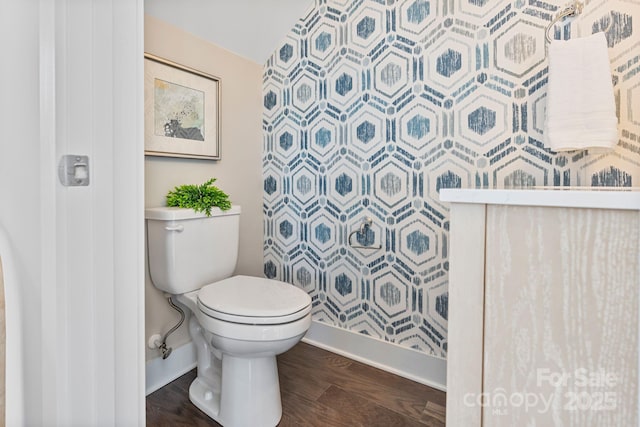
[372,106]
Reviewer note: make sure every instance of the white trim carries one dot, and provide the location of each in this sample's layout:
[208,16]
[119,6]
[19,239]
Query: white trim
[161,372]
[52,275]
[127,173]
[405,362]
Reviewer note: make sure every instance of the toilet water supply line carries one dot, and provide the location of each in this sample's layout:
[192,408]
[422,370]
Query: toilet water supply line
[166,351]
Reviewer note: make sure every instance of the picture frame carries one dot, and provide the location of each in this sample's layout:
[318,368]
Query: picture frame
[181,111]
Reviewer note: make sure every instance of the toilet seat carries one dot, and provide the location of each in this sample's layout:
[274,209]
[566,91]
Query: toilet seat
[253,301]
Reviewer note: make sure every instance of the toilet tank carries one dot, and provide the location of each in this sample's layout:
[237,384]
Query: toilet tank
[187,249]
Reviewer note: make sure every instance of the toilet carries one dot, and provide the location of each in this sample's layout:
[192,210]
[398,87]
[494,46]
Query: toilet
[238,324]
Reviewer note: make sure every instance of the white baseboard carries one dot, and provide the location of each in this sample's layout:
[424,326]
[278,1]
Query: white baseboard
[161,372]
[402,361]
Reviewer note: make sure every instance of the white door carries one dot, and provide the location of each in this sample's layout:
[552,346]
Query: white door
[71,83]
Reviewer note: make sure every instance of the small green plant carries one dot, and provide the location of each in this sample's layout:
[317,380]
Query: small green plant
[200,198]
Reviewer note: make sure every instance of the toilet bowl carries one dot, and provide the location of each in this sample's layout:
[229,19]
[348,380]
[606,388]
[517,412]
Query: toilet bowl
[238,324]
[244,322]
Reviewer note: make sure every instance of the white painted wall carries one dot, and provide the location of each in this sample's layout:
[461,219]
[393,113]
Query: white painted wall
[250,28]
[71,83]
[239,172]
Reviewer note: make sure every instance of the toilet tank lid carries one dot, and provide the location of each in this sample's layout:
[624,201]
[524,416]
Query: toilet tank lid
[165,213]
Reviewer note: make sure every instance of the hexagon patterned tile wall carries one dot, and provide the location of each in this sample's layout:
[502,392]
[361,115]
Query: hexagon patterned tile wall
[372,106]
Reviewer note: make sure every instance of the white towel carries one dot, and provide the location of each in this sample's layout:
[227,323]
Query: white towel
[581,110]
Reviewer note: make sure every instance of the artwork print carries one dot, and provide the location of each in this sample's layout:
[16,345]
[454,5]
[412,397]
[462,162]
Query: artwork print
[178,111]
[182,111]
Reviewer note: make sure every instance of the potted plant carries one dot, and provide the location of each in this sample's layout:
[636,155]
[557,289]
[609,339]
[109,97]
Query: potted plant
[200,198]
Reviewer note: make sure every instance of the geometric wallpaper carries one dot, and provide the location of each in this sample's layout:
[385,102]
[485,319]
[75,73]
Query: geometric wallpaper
[371,107]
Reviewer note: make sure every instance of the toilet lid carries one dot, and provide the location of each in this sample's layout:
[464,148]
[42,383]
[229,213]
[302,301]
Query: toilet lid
[253,300]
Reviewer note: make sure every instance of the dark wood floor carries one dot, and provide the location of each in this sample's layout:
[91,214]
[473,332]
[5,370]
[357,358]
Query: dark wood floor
[321,389]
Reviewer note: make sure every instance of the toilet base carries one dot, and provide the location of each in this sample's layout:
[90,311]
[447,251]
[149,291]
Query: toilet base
[250,399]
[204,398]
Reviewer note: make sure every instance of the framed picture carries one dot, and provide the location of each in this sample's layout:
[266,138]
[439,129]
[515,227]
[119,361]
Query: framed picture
[181,111]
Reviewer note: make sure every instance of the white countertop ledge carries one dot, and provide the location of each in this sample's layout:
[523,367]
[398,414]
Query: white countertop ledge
[568,197]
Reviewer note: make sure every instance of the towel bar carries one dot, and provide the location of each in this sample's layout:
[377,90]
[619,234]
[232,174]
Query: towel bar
[366,224]
[572,10]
